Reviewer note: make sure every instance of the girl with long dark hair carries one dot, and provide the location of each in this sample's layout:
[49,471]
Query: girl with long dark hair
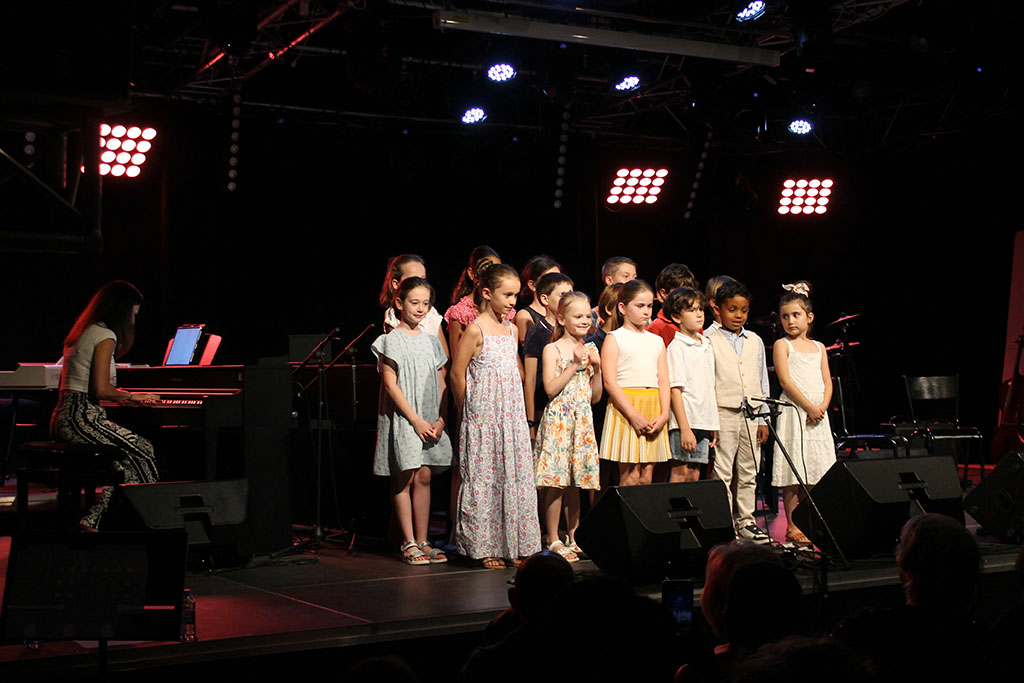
[104,331]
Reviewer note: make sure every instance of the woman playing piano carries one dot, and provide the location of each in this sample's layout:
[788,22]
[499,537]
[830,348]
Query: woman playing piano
[104,331]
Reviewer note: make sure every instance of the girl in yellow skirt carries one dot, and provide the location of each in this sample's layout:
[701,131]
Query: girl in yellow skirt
[635,370]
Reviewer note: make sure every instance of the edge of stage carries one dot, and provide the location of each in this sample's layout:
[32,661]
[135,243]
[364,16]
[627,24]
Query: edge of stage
[339,606]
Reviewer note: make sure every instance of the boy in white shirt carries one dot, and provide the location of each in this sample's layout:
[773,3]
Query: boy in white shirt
[693,425]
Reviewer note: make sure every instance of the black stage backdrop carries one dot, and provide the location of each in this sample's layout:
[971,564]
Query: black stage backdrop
[918,238]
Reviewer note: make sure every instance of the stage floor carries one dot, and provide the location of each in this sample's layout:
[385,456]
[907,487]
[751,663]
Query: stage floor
[328,599]
[366,600]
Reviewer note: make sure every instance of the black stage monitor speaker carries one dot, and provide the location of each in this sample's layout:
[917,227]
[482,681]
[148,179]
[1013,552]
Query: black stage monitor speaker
[648,533]
[867,502]
[997,503]
[94,586]
[213,513]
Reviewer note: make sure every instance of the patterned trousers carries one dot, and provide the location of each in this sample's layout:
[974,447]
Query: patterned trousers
[79,418]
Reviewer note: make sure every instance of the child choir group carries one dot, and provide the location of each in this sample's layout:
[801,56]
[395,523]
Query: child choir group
[669,390]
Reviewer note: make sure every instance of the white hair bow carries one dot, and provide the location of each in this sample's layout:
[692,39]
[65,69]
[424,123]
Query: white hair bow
[798,288]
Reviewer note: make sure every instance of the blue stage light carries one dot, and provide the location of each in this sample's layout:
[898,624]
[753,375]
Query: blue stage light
[753,10]
[474,115]
[628,83]
[499,73]
[800,127]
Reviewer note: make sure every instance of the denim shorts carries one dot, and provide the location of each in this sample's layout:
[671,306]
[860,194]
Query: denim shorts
[700,456]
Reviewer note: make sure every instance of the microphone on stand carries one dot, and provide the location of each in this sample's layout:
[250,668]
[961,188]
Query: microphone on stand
[747,409]
[772,401]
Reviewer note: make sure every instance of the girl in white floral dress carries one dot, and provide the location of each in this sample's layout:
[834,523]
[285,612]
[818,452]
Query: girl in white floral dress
[496,518]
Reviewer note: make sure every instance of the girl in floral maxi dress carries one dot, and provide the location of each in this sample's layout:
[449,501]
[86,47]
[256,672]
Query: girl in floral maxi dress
[496,518]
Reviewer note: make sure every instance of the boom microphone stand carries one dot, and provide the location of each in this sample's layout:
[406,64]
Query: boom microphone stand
[774,406]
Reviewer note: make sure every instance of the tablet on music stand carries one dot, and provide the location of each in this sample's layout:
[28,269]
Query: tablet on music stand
[182,348]
[191,346]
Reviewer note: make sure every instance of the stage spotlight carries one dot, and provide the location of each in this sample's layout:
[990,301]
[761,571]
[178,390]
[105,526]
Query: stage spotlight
[800,127]
[636,185]
[500,73]
[474,115]
[753,10]
[804,196]
[124,151]
[628,83]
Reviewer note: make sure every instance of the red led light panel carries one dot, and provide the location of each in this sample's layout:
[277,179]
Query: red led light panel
[636,186]
[127,139]
[805,196]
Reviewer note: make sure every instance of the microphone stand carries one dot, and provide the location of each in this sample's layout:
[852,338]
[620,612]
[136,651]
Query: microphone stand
[851,373]
[317,536]
[774,411]
[350,351]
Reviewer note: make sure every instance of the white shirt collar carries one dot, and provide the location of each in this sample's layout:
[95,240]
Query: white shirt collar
[690,341]
[741,333]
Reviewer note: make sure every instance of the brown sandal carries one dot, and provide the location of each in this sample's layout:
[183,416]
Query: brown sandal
[798,537]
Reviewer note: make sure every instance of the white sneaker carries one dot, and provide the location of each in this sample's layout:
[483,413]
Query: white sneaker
[754,534]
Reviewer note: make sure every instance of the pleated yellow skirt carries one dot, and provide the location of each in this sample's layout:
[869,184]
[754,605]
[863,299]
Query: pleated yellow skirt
[621,443]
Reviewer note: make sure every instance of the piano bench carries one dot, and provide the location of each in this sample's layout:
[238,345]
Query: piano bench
[71,468]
